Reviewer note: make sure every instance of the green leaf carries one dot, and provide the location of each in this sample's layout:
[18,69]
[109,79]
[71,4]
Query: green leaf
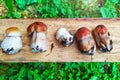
[115,1]
[103,12]
[93,78]
[109,10]
[57,2]
[9,4]
[31,1]
[3,77]
[16,15]
[71,77]
[22,73]
[21,4]
[29,74]
[63,11]
[1,1]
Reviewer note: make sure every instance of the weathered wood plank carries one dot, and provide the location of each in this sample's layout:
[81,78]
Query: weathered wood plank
[60,53]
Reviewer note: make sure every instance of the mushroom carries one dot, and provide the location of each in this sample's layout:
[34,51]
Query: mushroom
[102,38]
[64,37]
[12,42]
[38,38]
[85,41]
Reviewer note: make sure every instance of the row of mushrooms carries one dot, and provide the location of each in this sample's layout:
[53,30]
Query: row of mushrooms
[86,40]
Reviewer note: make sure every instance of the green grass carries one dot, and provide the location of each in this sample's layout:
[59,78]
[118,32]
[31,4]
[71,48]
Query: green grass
[60,71]
[60,9]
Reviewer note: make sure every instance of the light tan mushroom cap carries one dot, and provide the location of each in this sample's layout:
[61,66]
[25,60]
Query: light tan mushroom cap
[13,31]
[37,26]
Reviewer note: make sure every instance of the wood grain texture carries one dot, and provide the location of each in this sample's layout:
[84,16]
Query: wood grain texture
[60,53]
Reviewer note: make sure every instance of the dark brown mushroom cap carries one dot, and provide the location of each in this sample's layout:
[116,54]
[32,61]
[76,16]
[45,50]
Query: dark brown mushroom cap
[101,29]
[37,26]
[81,32]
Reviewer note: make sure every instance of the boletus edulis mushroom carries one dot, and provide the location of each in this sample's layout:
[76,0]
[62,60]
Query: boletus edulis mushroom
[12,42]
[102,38]
[64,37]
[85,41]
[38,37]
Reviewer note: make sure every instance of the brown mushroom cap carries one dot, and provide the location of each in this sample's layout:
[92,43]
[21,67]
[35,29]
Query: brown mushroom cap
[101,29]
[12,29]
[37,26]
[81,32]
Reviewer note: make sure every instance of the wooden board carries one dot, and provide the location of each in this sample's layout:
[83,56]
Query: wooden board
[60,53]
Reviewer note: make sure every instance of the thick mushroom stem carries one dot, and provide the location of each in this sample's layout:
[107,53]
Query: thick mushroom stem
[109,45]
[38,42]
[64,37]
[11,45]
[86,45]
[105,43]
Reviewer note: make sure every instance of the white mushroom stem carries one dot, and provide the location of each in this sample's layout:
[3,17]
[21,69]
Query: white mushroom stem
[64,36]
[39,42]
[62,32]
[109,45]
[106,42]
[11,45]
